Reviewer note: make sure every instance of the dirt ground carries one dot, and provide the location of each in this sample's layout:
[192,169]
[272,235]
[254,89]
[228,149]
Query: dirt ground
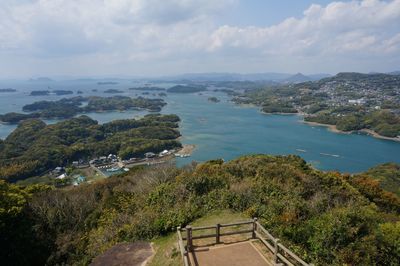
[128,254]
[239,254]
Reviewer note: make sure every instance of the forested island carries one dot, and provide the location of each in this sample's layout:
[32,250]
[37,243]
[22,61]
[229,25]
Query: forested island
[48,92]
[7,90]
[34,147]
[70,107]
[348,101]
[187,88]
[113,91]
[214,99]
[40,93]
[147,89]
[327,217]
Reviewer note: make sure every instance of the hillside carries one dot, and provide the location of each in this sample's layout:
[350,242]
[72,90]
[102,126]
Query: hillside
[388,175]
[348,101]
[327,217]
[34,148]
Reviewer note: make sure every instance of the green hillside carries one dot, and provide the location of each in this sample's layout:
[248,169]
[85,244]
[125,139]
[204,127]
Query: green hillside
[326,218]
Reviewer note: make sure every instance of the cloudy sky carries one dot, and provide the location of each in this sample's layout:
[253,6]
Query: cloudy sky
[163,37]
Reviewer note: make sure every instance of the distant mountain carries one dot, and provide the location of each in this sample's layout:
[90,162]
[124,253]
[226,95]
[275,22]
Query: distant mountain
[394,73]
[229,77]
[298,78]
[267,76]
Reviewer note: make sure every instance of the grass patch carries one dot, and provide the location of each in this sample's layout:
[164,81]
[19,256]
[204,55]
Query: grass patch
[166,248]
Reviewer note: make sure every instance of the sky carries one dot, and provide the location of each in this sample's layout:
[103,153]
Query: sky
[137,38]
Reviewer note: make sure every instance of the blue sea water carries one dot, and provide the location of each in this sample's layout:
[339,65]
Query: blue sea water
[225,130]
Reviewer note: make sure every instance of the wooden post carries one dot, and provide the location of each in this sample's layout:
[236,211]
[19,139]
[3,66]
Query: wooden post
[254,227]
[189,238]
[218,231]
[276,251]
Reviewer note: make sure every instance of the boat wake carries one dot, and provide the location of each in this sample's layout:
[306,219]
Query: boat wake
[328,154]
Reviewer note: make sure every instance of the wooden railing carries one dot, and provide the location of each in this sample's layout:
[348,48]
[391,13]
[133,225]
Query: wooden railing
[281,254]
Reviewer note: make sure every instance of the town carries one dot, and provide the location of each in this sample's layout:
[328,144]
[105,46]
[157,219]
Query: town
[105,166]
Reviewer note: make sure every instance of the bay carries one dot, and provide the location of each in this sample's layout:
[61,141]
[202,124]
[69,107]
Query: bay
[225,130]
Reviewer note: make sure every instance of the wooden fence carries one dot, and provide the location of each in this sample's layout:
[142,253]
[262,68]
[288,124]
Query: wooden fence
[281,254]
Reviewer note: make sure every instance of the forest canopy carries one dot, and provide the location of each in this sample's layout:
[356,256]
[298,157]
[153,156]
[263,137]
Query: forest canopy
[70,107]
[327,217]
[35,147]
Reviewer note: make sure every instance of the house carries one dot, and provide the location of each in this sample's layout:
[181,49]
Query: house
[164,152]
[358,101]
[150,154]
[61,176]
[58,170]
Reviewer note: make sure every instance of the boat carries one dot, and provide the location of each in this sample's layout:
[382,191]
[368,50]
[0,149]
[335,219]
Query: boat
[301,150]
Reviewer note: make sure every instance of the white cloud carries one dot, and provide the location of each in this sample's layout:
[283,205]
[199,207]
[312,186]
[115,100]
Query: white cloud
[369,26]
[139,36]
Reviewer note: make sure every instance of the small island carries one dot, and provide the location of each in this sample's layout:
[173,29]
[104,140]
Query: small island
[40,93]
[48,92]
[113,91]
[214,99]
[7,90]
[147,89]
[62,92]
[187,89]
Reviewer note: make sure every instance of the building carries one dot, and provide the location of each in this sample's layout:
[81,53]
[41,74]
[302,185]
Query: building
[150,155]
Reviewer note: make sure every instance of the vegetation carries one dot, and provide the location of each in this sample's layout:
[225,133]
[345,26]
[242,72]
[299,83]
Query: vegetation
[70,107]
[350,101]
[147,89]
[14,118]
[113,91]
[8,90]
[388,175]
[326,217]
[34,147]
[214,99]
[166,252]
[187,88]
[382,122]
[40,93]
[62,92]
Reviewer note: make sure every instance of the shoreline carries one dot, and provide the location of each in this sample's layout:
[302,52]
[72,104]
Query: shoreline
[334,129]
[331,128]
[187,149]
[279,113]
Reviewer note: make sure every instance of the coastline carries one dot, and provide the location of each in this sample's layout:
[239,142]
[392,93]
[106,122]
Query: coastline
[279,113]
[334,129]
[187,149]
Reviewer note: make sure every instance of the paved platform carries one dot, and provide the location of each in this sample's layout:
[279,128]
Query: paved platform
[239,254]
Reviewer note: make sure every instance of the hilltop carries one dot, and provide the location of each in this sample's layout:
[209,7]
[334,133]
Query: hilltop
[327,217]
